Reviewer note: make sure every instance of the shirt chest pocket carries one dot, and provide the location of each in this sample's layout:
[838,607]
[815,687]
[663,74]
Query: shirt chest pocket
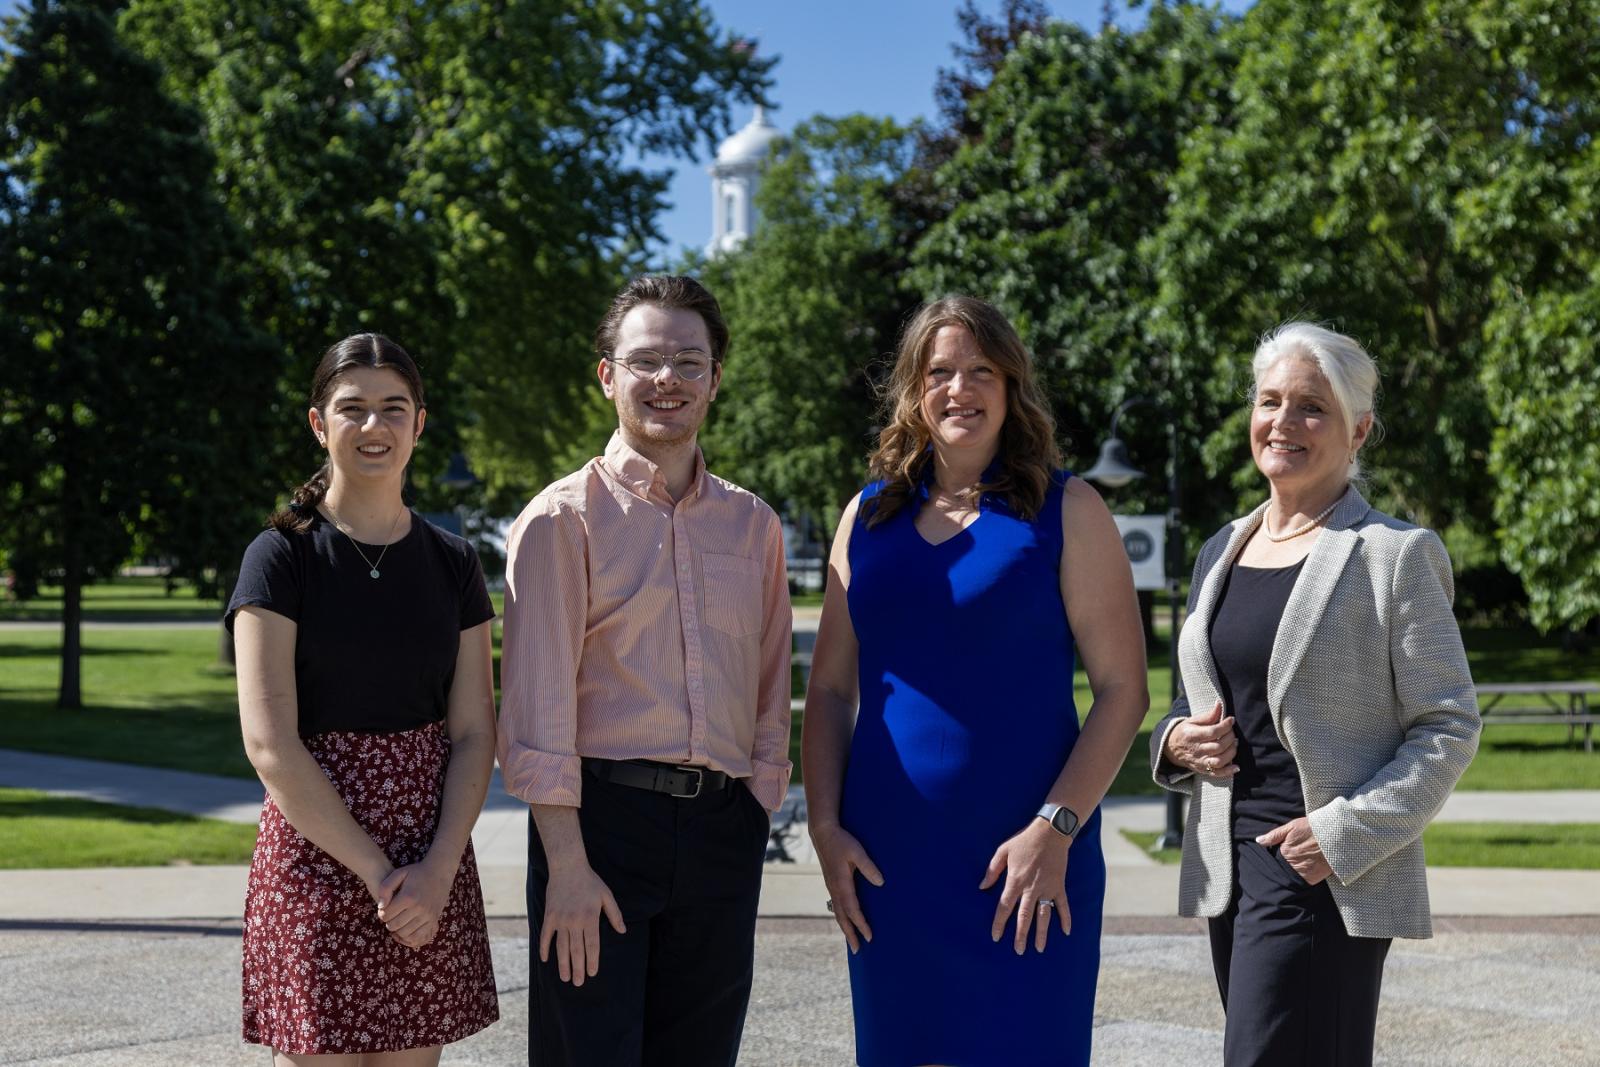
[733,594]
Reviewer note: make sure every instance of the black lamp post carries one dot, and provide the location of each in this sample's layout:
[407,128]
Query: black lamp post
[1113,470]
[456,477]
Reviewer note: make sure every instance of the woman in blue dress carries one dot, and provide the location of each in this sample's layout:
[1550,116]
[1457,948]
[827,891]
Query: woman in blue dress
[963,793]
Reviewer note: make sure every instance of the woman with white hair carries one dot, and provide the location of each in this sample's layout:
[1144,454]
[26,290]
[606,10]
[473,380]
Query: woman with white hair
[1328,713]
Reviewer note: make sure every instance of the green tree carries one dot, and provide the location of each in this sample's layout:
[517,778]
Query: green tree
[1065,169]
[1530,224]
[130,386]
[307,166]
[1332,193]
[460,176]
[813,301]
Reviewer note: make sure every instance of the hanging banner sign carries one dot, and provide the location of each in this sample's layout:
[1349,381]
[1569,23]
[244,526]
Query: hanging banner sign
[1145,539]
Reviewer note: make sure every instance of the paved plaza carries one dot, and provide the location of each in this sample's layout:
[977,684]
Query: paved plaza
[1496,994]
[134,967]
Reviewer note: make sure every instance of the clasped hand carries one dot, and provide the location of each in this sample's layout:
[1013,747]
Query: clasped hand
[412,899]
[1205,744]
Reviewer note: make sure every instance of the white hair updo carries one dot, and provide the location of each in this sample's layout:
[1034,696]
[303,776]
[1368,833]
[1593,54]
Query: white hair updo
[1351,373]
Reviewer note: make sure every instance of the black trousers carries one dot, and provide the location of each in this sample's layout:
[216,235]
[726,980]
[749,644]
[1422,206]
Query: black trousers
[673,990]
[1298,990]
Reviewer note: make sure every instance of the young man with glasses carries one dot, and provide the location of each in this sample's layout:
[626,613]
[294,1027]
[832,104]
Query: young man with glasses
[645,716]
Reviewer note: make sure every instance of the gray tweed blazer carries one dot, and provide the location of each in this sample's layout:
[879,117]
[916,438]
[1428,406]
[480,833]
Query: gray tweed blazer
[1369,690]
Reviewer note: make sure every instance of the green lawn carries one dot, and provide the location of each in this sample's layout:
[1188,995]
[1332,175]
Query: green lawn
[1556,846]
[151,696]
[1146,841]
[158,697]
[133,600]
[1509,757]
[1571,846]
[124,600]
[47,831]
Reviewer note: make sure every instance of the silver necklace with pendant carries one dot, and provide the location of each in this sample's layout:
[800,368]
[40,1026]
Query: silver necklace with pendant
[373,564]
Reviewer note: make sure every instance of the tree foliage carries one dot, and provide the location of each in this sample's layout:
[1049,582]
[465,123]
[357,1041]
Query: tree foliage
[1064,174]
[1529,227]
[1143,202]
[1392,169]
[131,386]
[814,302]
[460,176]
[1146,203]
[1357,127]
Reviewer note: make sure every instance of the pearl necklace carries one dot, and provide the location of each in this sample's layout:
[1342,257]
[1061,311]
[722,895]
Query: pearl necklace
[1302,528]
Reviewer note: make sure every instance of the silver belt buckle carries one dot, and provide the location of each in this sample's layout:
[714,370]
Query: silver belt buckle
[699,780]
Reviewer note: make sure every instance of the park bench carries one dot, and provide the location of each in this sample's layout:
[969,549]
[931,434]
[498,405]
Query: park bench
[1553,703]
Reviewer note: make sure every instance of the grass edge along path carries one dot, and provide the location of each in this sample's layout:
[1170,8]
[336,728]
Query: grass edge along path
[157,697]
[1546,846]
[45,831]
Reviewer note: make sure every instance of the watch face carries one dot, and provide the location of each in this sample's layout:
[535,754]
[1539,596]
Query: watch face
[1064,821]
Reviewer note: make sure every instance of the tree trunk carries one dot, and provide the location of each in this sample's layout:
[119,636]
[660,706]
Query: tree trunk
[71,694]
[1147,616]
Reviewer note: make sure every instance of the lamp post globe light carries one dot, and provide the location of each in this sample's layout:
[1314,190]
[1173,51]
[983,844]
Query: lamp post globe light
[1115,469]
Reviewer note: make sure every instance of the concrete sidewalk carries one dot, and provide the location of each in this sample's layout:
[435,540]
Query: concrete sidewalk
[1137,885]
[239,799]
[1489,994]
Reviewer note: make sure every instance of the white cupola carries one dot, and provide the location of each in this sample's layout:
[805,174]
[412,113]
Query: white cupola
[734,178]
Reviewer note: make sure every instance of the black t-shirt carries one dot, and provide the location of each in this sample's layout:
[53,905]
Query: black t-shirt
[1266,791]
[372,655]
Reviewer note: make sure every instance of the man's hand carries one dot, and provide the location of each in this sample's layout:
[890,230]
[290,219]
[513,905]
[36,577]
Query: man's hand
[574,899]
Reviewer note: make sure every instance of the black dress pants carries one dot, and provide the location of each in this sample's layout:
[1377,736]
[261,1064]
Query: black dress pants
[673,990]
[1298,990]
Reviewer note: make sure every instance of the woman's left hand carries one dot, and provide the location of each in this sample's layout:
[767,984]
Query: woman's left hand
[412,899]
[1034,863]
[1299,846]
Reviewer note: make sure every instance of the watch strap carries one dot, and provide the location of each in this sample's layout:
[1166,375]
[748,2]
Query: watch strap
[1062,819]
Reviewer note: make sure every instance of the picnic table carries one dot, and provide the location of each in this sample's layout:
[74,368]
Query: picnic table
[1558,703]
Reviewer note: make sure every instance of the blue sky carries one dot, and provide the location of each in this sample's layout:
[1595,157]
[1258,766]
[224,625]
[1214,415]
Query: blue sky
[835,57]
[838,56]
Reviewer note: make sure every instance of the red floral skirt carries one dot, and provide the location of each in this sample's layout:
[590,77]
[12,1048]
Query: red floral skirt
[321,974]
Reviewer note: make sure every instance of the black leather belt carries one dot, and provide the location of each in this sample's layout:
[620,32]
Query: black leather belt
[673,779]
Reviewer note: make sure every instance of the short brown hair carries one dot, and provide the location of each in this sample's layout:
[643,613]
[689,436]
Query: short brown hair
[1029,455]
[670,291]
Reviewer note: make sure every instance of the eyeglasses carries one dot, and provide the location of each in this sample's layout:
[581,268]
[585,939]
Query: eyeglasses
[691,364]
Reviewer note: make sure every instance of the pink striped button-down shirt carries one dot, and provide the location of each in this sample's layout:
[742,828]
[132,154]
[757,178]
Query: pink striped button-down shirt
[640,628]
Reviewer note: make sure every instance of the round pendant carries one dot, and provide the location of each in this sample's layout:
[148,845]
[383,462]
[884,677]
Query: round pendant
[374,572]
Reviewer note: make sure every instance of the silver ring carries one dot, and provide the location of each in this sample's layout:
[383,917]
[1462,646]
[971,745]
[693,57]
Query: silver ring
[829,905]
[1046,905]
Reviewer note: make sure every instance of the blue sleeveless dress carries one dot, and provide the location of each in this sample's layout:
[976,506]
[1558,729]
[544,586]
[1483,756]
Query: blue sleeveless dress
[966,719]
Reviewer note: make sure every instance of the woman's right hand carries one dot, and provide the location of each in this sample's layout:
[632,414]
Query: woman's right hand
[841,856]
[1204,744]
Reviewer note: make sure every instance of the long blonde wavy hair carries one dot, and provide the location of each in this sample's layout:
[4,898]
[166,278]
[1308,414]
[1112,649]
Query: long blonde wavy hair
[1029,455]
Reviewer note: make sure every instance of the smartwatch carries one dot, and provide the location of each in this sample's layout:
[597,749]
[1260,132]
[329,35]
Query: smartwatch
[1062,819]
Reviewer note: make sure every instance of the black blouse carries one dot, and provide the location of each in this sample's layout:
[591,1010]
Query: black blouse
[1266,791]
[372,655]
